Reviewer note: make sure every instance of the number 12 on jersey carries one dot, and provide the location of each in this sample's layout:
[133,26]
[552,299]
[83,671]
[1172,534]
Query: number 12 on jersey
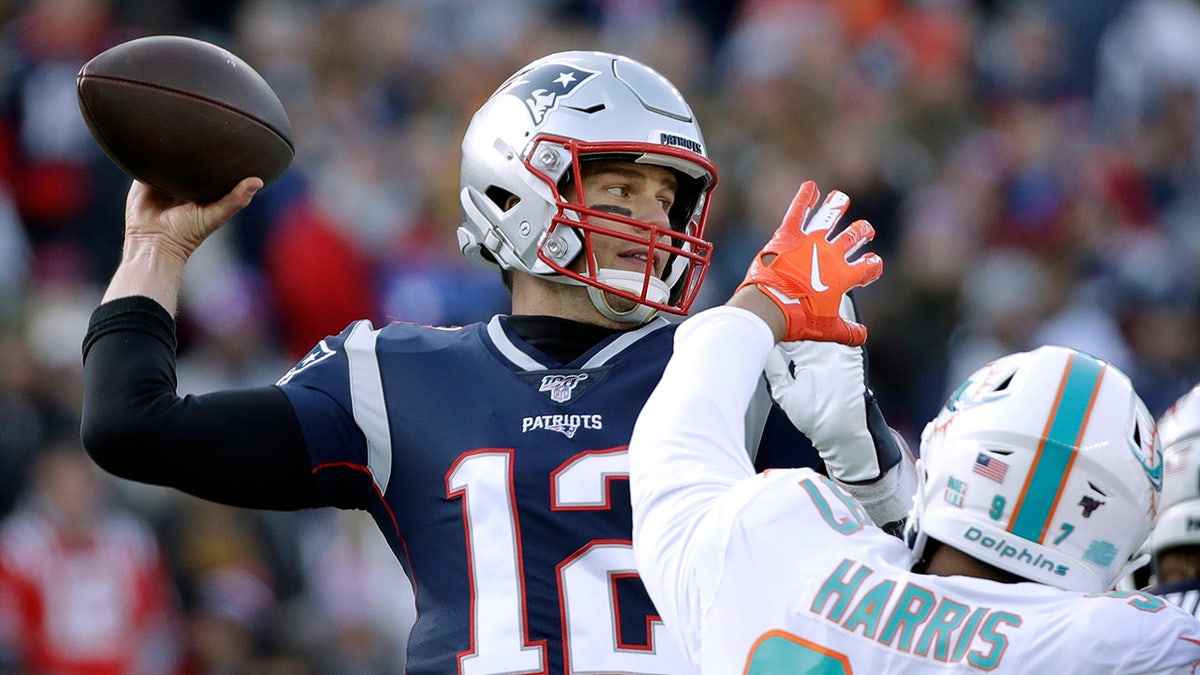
[500,640]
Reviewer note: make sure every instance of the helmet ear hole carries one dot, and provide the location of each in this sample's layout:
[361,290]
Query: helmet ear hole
[502,198]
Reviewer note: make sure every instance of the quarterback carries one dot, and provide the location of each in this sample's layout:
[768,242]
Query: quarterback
[491,456]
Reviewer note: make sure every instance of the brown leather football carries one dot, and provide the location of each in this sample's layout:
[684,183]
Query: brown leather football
[184,116]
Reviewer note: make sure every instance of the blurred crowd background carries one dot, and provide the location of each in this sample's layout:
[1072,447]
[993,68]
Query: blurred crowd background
[1032,169]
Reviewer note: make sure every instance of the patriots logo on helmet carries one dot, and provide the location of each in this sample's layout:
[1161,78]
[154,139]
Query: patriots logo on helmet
[542,88]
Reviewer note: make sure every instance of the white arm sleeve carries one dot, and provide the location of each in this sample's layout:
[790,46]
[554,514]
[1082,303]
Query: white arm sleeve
[688,449]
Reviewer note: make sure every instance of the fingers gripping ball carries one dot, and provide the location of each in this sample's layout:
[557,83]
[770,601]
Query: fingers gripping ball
[806,272]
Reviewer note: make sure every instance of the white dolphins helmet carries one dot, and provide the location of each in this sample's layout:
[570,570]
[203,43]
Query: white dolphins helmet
[1045,464]
[1179,519]
[527,141]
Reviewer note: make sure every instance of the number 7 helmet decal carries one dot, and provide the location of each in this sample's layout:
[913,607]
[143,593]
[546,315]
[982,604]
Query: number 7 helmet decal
[1045,464]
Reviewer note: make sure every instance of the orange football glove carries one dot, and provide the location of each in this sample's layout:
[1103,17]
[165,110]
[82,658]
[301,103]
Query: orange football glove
[806,273]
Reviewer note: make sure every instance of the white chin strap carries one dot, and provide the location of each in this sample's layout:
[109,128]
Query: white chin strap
[631,282]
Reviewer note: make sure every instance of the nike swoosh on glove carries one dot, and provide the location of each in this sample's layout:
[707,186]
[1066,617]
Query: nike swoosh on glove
[805,271]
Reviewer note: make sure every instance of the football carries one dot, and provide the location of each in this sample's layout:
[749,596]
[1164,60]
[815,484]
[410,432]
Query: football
[184,116]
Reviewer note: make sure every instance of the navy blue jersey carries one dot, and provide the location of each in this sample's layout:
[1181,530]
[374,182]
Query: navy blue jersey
[500,479]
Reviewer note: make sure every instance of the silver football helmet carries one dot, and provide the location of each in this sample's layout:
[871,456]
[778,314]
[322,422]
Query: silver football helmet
[527,142]
[1045,464]
[1179,428]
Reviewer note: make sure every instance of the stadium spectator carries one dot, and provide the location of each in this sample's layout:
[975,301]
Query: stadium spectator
[84,587]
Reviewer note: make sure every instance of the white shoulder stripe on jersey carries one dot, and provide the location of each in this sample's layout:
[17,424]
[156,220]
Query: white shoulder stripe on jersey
[628,338]
[366,400]
[508,349]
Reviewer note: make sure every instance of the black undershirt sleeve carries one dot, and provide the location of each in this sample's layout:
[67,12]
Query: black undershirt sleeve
[238,447]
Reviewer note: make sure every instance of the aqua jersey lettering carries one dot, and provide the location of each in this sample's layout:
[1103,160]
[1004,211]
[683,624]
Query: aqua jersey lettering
[1006,550]
[913,619]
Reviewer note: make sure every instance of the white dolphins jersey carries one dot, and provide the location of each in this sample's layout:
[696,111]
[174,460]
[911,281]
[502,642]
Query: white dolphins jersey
[783,572]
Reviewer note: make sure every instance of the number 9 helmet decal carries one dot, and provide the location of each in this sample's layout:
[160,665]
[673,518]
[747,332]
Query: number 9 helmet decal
[525,145]
[1045,464]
